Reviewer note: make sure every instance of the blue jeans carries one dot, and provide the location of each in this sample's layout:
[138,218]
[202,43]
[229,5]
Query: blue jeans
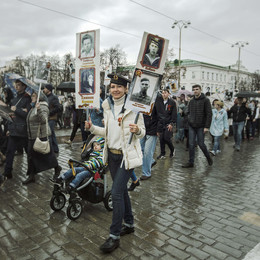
[216,145]
[237,132]
[148,144]
[53,139]
[199,133]
[81,174]
[122,209]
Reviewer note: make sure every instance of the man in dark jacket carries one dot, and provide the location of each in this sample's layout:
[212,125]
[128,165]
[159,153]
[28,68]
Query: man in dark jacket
[199,119]
[240,113]
[17,131]
[166,113]
[54,107]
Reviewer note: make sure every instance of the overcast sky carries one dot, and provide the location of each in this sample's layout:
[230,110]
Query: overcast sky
[27,29]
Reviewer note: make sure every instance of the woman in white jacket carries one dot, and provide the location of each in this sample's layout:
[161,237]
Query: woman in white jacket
[121,157]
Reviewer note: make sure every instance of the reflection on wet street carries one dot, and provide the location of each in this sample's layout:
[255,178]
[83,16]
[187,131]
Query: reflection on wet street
[205,212]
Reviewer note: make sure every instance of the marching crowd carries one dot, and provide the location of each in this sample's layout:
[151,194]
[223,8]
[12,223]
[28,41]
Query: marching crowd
[193,115]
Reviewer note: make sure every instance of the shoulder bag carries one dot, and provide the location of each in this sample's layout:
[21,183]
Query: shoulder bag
[42,146]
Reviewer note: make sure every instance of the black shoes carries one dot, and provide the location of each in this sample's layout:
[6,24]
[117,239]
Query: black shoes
[172,154]
[133,185]
[8,175]
[210,161]
[161,157]
[110,245]
[30,179]
[126,230]
[143,178]
[57,170]
[188,165]
[153,164]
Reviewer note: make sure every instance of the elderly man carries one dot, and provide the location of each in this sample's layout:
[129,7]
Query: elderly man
[141,96]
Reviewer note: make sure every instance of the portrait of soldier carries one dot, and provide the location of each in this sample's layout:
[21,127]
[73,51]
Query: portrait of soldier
[152,56]
[142,96]
[87,49]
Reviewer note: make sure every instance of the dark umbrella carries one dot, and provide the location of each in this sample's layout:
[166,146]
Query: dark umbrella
[247,94]
[10,79]
[67,86]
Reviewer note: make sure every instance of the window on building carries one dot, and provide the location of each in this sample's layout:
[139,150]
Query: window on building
[216,76]
[203,74]
[207,75]
[193,74]
[212,76]
[220,77]
[225,78]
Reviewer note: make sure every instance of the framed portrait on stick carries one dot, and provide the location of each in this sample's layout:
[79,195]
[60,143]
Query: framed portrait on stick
[87,63]
[152,53]
[143,91]
[42,72]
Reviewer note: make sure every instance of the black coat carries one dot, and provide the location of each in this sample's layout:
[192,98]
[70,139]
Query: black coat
[150,123]
[199,112]
[239,112]
[165,113]
[23,106]
[54,106]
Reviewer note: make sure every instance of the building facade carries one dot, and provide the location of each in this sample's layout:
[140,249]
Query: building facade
[214,78]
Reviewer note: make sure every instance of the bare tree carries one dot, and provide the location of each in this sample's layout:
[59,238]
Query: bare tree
[114,56]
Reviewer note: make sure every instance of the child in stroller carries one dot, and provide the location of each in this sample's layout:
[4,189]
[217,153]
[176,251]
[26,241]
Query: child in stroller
[80,182]
[94,163]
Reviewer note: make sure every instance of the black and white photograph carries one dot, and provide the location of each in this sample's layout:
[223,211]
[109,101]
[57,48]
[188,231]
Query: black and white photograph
[87,81]
[42,71]
[153,51]
[144,87]
[87,45]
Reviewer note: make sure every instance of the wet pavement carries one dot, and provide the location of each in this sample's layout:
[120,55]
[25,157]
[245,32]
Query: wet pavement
[199,213]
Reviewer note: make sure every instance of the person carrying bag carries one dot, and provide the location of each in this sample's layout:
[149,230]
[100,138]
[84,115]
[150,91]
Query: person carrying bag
[40,157]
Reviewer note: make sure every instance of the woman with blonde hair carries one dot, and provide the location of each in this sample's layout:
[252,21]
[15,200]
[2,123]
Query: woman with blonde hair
[219,125]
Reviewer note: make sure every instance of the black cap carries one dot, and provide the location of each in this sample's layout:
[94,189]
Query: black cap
[119,80]
[49,87]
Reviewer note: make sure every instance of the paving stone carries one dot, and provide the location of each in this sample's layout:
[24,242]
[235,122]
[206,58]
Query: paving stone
[188,214]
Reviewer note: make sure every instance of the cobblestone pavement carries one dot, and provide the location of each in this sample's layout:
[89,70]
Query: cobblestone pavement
[200,213]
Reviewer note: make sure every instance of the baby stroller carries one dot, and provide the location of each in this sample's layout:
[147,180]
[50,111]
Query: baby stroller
[93,189]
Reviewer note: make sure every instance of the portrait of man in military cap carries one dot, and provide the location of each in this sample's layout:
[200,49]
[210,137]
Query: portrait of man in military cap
[153,51]
[87,45]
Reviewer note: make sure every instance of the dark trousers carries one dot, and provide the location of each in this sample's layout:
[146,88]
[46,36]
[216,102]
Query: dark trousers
[122,209]
[199,133]
[166,138]
[13,143]
[53,139]
[83,132]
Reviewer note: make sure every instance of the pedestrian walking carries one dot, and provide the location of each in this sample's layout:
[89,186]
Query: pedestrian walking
[166,113]
[37,126]
[199,119]
[16,129]
[219,125]
[240,112]
[122,157]
[54,107]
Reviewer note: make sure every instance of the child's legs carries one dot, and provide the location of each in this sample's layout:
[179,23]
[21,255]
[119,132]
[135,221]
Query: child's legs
[80,177]
[68,174]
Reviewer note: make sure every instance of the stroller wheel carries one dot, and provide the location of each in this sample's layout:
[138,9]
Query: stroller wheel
[58,201]
[108,201]
[74,210]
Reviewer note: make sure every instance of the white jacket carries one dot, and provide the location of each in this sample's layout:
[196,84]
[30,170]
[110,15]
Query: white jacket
[132,152]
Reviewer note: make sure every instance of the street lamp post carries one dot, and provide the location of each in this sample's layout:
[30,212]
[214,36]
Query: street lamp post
[239,44]
[180,24]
